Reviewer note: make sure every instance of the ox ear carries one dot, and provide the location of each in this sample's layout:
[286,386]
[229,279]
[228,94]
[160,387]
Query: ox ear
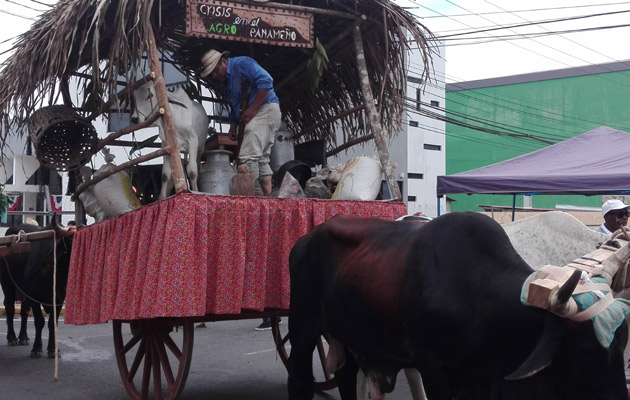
[542,355]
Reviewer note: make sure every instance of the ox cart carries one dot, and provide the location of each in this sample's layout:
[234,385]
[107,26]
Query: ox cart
[156,271]
[188,259]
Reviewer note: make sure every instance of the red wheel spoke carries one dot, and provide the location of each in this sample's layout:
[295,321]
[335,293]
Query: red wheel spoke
[137,360]
[132,342]
[168,341]
[322,357]
[164,373]
[166,365]
[285,339]
[157,372]
[146,375]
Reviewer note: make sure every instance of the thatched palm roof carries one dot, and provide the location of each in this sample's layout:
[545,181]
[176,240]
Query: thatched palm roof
[106,39]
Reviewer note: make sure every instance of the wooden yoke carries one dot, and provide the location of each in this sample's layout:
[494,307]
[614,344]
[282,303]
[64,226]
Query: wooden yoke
[179,179]
[373,116]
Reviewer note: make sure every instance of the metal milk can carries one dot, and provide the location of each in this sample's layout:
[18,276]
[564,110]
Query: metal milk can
[217,172]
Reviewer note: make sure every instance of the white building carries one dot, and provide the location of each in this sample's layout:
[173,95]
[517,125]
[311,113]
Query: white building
[419,148]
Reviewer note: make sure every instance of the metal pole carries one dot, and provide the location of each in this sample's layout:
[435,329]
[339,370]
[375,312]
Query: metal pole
[513,206]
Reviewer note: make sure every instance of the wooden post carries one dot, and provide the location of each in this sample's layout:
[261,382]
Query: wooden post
[373,115]
[174,157]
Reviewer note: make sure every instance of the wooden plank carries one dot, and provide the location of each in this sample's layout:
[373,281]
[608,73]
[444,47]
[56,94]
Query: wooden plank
[540,291]
[252,23]
[588,268]
[585,261]
[598,255]
[15,248]
[558,274]
[41,235]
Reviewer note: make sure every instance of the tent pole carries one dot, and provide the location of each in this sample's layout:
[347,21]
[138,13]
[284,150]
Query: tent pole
[438,212]
[513,206]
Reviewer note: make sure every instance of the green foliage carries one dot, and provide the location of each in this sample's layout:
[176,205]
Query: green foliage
[316,66]
[5,201]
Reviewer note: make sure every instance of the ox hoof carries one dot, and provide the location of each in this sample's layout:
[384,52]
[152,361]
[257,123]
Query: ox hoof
[12,342]
[24,342]
[36,354]
[51,354]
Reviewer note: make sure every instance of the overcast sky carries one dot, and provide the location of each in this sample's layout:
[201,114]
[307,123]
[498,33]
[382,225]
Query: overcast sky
[480,55]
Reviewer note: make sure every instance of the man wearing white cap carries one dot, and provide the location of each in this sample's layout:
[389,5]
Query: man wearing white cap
[243,76]
[615,214]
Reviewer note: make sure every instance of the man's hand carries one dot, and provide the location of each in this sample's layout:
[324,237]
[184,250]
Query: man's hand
[233,134]
[248,114]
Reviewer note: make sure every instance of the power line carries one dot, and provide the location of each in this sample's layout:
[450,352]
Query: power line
[485,39]
[22,5]
[535,52]
[497,27]
[572,41]
[17,15]
[520,11]
[523,106]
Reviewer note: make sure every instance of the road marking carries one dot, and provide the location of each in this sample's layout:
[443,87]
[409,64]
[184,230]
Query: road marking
[264,351]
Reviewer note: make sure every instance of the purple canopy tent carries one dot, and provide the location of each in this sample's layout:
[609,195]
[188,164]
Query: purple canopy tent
[595,162]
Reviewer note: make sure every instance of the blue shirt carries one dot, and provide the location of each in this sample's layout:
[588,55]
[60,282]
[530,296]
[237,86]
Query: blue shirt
[245,74]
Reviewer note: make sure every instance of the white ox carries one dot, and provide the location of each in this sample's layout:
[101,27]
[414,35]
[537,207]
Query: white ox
[191,124]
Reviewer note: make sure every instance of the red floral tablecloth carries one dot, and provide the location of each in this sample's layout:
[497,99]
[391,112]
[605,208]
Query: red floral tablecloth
[195,254]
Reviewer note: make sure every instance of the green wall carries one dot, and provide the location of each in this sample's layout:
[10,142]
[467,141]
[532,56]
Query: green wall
[553,110]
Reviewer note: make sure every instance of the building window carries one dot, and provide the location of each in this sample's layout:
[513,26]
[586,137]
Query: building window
[412,175]
[413,123]
[418,98]
[434,147]
[411,198]
[435,103]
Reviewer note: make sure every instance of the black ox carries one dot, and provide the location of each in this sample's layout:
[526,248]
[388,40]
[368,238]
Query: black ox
[31,274]
[443,298]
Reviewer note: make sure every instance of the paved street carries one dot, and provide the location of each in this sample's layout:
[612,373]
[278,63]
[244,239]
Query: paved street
[231,361]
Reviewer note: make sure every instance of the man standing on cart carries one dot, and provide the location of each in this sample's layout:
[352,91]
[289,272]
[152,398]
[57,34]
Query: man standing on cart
[253,104]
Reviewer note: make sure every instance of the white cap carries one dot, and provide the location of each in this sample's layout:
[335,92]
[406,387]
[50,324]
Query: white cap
[612,205]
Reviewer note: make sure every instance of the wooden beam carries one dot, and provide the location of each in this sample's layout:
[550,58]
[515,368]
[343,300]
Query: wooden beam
[41,235]
[15,248]
[373,115]
[118,168]
[111,138]
[349,144]
[170,136]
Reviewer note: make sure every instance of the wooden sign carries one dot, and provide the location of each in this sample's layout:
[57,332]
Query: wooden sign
[249,23]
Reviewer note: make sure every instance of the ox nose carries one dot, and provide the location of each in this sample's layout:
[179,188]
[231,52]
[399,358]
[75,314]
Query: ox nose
[135,119]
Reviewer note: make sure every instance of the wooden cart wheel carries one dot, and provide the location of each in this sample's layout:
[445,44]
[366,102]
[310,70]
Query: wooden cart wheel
[153,350]
[323,381]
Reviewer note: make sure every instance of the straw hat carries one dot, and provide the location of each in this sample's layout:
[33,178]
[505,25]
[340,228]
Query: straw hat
[31,221]
[210,60]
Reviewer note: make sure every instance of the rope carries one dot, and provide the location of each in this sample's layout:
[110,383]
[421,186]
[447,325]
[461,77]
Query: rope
[54,290]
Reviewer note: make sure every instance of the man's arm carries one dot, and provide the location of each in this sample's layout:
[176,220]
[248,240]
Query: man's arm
[251,111]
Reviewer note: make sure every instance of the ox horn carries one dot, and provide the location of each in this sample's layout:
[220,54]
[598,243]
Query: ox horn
[559,302]
[617,260]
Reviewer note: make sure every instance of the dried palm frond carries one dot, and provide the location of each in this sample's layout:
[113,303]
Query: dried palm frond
[106,42]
